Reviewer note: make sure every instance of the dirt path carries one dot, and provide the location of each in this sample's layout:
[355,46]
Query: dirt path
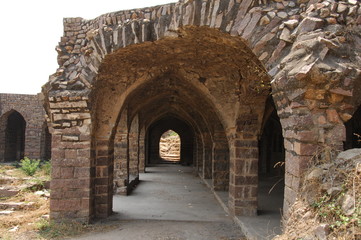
[170,203]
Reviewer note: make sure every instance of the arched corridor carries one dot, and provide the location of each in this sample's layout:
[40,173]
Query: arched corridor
[179,93]
[155,132]
[204,69]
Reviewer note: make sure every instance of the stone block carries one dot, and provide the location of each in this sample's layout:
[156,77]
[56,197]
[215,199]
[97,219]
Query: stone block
[304,148]
[332,116]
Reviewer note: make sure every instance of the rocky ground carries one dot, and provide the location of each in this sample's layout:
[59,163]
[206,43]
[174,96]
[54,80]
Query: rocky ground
[329,206]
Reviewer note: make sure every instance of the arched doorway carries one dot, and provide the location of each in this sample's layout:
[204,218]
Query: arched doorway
[170,146]
[185,135]
[271,165]
[14,137]
[353,131]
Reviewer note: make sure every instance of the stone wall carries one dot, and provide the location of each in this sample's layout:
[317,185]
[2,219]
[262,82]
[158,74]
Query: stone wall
[31,109]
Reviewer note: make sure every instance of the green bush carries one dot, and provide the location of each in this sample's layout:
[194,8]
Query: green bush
[29,166]
[46,167]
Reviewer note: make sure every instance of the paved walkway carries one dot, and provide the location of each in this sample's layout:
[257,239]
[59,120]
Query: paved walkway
[170,203]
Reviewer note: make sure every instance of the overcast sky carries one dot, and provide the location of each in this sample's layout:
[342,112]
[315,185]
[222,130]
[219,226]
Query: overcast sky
[30,31]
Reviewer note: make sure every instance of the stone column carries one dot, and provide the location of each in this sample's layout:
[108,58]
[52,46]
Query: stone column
[243,179]
[2,137]
[141,140]
[133,158]
[104,161]
[200,154]
[220,163]
[120,156]
[71,185]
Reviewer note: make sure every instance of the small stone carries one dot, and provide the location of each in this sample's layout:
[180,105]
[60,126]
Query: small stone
[353,2]
[332,116]
[309,24]
[345,117]
[340,91]
[271,14]
[335,98]
[341,39]
[352,11]
[282,15]
[292,4]
[280,6]
[40,193]
[341,7]
[325,12]
[285,35]
[333,191]
[14,229]
[322,231]
[263,56]
[6,212]
[331,20]
[328,43]
[264,21]
[348,205]
[307,215]
[315,174]
[291,24]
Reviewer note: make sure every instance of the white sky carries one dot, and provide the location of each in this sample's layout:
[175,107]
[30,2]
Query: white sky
[30,31]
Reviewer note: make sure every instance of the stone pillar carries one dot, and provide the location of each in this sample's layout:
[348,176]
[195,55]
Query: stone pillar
[71,185]
[33,132]
[207,156]
[200,154]
[243,179]
[120,156]
[141,140]
[133,158]
[220,163]
[3,121]
[306,136]
[104,161]
[207,162]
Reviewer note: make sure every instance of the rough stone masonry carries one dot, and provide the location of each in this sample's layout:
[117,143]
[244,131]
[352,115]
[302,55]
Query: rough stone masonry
[209,70]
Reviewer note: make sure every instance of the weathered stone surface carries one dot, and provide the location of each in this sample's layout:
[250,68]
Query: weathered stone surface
[322,231]
[348,205]
[309,24]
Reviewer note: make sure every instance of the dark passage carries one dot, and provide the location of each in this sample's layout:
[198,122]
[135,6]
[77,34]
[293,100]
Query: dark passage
[15,137]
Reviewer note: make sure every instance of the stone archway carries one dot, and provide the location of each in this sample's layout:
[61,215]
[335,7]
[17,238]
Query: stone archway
[297,50]
[13,136]
[185,133]
[170,145]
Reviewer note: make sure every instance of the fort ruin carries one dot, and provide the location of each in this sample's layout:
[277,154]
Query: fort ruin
[245,84]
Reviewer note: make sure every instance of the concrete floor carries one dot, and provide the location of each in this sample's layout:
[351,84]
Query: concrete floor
[171,203]
[267,224]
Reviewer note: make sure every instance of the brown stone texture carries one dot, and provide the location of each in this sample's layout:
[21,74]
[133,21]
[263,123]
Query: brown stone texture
[204,69]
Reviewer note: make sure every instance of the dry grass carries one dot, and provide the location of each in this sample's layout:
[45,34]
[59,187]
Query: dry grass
[24,221]
[32,222]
